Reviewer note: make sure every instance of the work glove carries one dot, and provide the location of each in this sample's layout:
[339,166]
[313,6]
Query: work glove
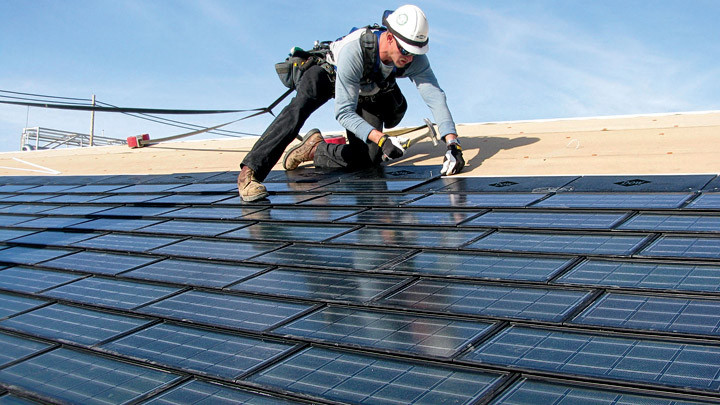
[453,162]
[391,146]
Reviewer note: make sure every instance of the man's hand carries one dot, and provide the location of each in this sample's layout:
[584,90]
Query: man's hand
[453,162]
[391,147]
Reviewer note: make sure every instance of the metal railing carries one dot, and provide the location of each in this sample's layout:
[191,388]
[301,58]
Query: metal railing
[45,138]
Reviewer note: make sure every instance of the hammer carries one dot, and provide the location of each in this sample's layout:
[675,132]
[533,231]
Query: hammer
[429,134]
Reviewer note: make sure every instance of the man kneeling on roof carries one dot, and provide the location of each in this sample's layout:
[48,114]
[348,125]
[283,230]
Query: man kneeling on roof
[359,70]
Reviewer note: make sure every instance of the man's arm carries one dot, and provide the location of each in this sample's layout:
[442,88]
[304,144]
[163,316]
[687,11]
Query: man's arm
[347,89]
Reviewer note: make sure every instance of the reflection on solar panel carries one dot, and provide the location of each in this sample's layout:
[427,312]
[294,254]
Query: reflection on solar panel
[645,275]
[389,331]
[202,351]
[336,375]
[612,358]
[388,286]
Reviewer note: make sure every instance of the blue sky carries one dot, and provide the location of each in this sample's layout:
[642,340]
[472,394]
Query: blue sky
[496,60]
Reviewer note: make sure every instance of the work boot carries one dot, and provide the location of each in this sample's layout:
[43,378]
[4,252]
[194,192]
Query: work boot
[249,187]
[303,152]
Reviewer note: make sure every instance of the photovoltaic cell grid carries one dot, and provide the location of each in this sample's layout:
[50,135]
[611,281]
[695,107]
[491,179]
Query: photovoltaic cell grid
[179,274]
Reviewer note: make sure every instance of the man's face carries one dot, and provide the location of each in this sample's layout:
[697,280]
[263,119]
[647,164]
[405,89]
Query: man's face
[400,57]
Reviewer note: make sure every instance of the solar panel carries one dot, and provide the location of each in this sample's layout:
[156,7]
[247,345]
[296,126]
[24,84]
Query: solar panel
[11,304]
[72,324]
[645,361]
[497,184]
[330,257]
[55,238]
[74,377]
[195,273]
[359,200]
[98,262]
[644,183]
[409,217]
[491,266]
[26,208]
[9,399]
[438,337]
[27,255]
[477,200]
[8,234]
[11,188]
[681,315]
[206,188]
[685,247]
[134,211]
[10,220]
[49,189]
[93,188]
[299,214]
[210,212]
[126,243]
[683,223]
[607,244]
[191,228]
[53,222]
[287,232]
[115,224]
[318,285]
[527,391]
[547,219]
[200,392]
[361,378]
[73,198]
[238,312]
[79,210]
[190,199]
[26,197]
[684,277]
[202,351]
[615,200]
[274,199]
[128,198]
[110,293]
[16,348]
[542,304]
[370,186]
[405,237]
[706,200]
[29,280]
[212,249]
[145,188]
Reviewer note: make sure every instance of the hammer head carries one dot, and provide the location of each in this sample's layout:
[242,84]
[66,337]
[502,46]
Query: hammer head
[431,132]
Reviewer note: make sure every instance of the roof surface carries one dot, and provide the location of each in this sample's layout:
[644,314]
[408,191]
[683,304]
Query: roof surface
[394,286]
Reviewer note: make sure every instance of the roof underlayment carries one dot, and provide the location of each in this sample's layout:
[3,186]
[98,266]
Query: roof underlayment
[395,286]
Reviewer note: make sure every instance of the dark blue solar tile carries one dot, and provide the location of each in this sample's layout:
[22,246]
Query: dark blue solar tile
[192,228]
[199,350]
[299,214]
[387,331]
[98,263]
[194,272]
[126,243]
[211,212]
[53,222]
[26,255]
[132,211]
[544,304]
[637,184]
[540,219]
[15,348]
[599,244]
[73,198]
[318,285]
[115,224]
[227,310]
[146,188]
[93,189]
[13,304]
[127,198]
[660,222]
[640,361]
[191,199]
[110,293]
[9,220]
[80,210]
[11,188]
[684,277]
[440,238]
[683,315]
[483,266]
[527,391]
[26,197]
[57,238]
[9,399]
[201,392]
[8,234]
[72,376]
[331,257]
[615,200]
[537,184]
[287,232]
[706,201]
[211,249]
[360,200]
[371,186]
[48,189]
[74,325]
[477,200]
[273,199]
[30,280]
[349,377]
[684,247]
[206,188]
[409,217]
[26,208]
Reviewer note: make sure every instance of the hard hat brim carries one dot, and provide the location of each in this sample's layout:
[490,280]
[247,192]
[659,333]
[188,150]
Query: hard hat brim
[413,49]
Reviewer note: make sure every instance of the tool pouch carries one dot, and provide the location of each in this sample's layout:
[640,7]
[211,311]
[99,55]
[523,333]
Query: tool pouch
[291,70]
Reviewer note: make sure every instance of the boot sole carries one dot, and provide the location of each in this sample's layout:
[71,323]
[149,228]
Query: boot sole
[287,154]
[255,197]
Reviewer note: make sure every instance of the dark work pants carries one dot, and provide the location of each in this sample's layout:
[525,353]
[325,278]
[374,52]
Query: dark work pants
[314,90]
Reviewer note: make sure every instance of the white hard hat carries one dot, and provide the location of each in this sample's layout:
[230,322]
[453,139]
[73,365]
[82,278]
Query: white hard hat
[409,26]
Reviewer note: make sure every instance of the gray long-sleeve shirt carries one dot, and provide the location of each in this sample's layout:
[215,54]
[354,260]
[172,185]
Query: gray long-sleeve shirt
[347,57]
